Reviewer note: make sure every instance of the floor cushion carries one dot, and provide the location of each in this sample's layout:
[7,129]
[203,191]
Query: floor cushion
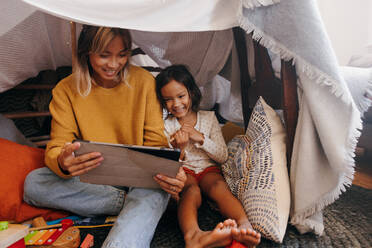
[16,162]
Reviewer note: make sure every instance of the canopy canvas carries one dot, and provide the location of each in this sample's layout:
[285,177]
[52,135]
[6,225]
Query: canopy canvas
[35,35]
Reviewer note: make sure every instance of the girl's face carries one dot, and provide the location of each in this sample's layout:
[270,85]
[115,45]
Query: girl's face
[109,63]
[176,98]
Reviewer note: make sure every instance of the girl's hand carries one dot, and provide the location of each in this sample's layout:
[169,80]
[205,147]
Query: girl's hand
[76,166]
[194,135]
[180,139]
[173,186]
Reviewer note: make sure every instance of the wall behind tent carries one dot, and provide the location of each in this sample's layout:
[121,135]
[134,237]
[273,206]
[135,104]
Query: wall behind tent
[349,26]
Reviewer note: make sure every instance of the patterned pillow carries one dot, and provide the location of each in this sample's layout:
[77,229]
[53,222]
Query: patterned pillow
[256,172]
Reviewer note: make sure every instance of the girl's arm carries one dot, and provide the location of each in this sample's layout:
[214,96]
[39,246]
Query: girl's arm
[213,144]
[176,138]
[180,139]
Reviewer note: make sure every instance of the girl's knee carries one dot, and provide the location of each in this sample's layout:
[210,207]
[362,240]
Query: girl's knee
[191,189]
[217,187]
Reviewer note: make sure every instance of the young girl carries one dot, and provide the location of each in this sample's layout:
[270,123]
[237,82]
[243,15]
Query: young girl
[198,135]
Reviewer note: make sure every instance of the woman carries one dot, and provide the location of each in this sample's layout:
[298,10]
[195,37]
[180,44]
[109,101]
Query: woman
[104,100]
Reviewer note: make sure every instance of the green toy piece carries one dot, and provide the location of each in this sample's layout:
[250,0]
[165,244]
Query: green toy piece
[3,225]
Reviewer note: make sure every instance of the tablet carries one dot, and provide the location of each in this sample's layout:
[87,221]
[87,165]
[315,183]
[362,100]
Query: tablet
[129,165]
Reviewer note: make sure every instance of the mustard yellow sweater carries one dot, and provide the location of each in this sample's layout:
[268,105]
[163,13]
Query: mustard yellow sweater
[123,114]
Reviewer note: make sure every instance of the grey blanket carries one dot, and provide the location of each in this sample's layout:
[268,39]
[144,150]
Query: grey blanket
[329,124]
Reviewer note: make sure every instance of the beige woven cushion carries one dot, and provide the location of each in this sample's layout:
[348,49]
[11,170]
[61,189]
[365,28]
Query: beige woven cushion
[256,172]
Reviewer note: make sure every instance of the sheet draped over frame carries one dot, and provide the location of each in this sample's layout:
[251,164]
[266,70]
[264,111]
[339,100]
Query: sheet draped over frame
[147,15]
[330,108]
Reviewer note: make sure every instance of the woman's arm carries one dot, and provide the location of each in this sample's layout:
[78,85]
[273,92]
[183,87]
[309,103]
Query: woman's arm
[76,166]
[59,155]
[173,186]
[154,124]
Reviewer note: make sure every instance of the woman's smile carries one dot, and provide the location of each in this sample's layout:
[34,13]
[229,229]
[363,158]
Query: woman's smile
[110,73]
[107,64]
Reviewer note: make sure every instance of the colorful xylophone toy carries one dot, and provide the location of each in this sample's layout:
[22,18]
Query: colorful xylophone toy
[21,236]
[65,236]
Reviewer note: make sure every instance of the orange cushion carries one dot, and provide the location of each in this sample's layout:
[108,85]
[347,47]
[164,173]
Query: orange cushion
[16,162]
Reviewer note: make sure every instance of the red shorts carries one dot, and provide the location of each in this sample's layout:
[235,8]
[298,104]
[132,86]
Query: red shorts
[199,176]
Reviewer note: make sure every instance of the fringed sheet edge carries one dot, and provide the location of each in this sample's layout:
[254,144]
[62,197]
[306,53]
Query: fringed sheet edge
[319,77]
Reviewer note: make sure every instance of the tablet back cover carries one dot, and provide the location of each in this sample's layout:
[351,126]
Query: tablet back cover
[126,167]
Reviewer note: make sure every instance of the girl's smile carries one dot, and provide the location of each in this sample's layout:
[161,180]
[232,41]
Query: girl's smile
[177,99]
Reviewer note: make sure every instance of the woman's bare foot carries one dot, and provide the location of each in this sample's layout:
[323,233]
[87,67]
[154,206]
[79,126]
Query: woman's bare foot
[219,236]
[245,234]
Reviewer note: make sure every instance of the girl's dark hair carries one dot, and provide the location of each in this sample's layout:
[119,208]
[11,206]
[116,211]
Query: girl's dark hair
[181,74]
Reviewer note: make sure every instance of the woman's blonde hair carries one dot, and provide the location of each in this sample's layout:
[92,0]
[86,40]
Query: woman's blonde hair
[94,39]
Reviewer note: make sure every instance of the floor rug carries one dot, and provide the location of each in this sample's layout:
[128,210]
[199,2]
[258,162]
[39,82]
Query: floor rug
[348,223]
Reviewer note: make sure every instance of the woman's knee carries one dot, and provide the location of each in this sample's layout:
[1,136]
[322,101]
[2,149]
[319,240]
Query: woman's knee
[29,189]
[153,198]
[160,198]
[34,184]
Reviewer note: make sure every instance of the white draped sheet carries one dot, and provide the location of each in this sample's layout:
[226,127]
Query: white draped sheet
[147,15]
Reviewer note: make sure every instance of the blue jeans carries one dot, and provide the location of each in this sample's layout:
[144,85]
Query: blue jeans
[138,215]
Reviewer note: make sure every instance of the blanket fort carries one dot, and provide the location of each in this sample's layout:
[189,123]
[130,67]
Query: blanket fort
[330,114]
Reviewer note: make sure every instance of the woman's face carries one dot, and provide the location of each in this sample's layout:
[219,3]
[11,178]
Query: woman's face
[176,98]
[109,63]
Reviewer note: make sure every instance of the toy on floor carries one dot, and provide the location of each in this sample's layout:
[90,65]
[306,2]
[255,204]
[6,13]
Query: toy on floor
[12,235]
[236,244]
[87,222]
[88,241]
[66,236]
[41,235]
[3,225]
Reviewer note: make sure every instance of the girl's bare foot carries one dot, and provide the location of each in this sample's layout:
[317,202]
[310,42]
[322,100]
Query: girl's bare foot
[245,234]
[219,236]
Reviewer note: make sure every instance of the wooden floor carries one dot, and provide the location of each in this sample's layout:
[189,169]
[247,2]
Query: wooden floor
[363,174]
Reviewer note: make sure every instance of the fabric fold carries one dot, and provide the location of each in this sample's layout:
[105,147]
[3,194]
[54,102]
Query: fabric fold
[258,3]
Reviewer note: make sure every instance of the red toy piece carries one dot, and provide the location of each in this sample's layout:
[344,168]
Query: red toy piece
[19,244]
[88,241]
[236,244]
